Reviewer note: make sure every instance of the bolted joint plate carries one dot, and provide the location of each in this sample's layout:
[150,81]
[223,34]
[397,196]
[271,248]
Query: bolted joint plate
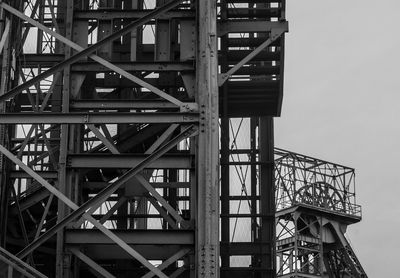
[189,107]
[208,261]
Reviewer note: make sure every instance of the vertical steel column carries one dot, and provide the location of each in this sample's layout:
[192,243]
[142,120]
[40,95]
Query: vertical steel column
[225,148]
[4,164]
[267,196]
[254,184]
[207,226]
[64,177]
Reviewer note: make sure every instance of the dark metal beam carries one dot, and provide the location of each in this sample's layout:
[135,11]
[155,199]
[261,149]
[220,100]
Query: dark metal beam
[97,118]
[110,104]
[137,237]
[43,174]
[134,66]
[126,161]
[247,26]
[105,14]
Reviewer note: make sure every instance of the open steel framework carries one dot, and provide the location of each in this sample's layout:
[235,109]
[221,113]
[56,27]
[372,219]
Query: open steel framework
[120,127]
[315,202]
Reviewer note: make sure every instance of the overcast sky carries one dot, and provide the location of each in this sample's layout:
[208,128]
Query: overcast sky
[342,104]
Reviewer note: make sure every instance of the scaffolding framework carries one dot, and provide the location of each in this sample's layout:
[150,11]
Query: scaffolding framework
[136,137]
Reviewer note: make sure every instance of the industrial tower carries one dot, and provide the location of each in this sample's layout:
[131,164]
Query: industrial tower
[315,202]
[136,137]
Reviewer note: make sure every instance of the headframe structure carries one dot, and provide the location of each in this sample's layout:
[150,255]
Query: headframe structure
[136,137]
[315,203]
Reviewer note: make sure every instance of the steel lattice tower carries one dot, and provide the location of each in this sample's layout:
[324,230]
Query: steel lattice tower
[120,124]
[315,203]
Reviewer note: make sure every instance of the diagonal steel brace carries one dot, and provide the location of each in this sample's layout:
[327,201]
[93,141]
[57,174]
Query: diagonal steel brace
[86,52]
[275,33]
[96,58]
[73,206]
[102,195]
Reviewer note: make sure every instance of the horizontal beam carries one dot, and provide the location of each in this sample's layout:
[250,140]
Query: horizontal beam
[127,161]
[249,26]
[246,248]
[93,185]
[240,272]
[133,66]
[149,251]
[43,174]
[131,237]
[105,14]
[97,118]
[34,59]
[254,12]
[121,104]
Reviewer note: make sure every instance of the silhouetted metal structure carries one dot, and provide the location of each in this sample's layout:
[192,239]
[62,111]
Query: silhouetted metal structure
[110,113]
[315,202]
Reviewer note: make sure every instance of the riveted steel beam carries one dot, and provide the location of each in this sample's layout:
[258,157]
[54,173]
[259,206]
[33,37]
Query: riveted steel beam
[105,14]
[207,249]
[97,118]
[134,66]
[78,237]
[126,161]
[121,104]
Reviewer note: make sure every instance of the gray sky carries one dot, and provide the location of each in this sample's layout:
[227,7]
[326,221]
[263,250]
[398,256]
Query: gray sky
[342,104]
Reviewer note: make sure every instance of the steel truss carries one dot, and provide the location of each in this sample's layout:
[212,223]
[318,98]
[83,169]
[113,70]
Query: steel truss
[119,135]
[315,202]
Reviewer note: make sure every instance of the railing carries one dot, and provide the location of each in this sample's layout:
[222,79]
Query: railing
[349,209]
[309,181]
